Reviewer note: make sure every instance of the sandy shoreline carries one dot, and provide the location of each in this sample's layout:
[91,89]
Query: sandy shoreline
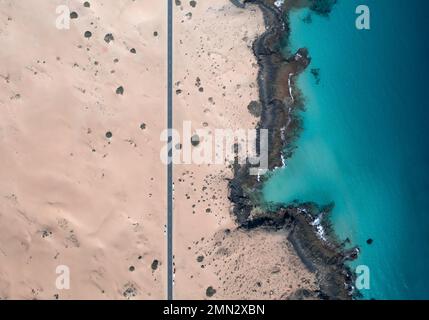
[212,250]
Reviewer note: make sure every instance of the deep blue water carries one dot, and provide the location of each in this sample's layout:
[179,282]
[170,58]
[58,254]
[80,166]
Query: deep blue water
[365,142]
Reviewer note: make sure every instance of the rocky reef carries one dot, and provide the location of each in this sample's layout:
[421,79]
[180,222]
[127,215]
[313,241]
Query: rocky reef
[306,224]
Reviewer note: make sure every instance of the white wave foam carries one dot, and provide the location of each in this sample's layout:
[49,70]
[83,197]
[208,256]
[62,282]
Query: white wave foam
[279,3]
[319,228]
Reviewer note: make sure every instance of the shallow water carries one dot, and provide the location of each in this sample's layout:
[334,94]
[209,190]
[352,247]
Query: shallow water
[364,144]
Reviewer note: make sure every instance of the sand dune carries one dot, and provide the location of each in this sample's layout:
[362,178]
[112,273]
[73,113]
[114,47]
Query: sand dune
[68,194]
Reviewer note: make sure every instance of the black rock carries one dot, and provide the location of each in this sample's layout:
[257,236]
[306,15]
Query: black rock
[255,108]
[108,37]
[120,90]
[154,265]
[210,292]
[239,3]
[195,140]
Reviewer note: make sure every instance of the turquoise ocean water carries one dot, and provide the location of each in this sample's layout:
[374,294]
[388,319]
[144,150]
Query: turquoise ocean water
[365,143]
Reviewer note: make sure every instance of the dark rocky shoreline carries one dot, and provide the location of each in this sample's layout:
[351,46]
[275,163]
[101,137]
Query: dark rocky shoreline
[306,224]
